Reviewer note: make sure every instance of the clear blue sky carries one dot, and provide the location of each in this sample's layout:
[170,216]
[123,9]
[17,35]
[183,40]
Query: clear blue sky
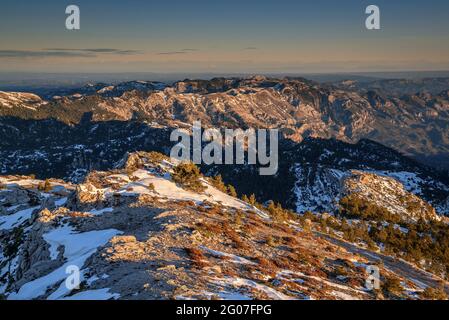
[224,36]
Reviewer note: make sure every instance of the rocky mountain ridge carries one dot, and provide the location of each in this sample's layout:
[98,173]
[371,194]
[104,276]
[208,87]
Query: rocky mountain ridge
[414,124]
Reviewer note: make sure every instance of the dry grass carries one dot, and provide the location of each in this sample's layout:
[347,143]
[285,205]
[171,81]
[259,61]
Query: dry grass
[231,234]
[249,229]
[197,257]
[290,241]
[272,241]
[284,228]
[258,272]
[186,203]
[209,228]
[289,261]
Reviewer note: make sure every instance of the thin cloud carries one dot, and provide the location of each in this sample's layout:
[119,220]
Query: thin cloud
[40,54]
[170,53]
[96,50]
[251,48]
[64,52]
[182,51]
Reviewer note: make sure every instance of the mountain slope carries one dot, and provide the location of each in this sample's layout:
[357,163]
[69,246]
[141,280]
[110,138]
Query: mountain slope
[134,234]
[308,178]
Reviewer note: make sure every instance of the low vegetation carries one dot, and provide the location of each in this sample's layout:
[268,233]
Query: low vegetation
[44,186]
[188,175]
[197,257]
[434,294]
[354,207]
[424,243]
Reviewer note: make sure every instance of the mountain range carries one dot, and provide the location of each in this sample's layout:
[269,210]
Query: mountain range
[415,124]
[363,173]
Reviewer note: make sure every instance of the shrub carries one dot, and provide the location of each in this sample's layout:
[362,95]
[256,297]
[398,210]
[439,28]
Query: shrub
[353,206]
[434,294]
[277,213]
[218,183]
[341,271]
[188,175]
[231,191]
[197,257]
[392,286]
[238,221]
[252,200]
[267,266]
[151,187]
[157,157]
[45,186]
[236,239]
[271,241]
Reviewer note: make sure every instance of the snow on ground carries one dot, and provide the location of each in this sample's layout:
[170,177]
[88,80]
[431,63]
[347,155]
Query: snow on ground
[343,296]
[167,189]
[234,296]
[6,268]
[224,295]
[286,274]
[26,182]
[61,202]
[242,283]
[234,258]
[316,191]
[13,208]
[10,221]
[99,294]
[99,212]
[91,280]
[411,182]
[78,247]
[76,243]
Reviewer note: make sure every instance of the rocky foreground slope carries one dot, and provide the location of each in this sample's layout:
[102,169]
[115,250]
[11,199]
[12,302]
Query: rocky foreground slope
[136,234]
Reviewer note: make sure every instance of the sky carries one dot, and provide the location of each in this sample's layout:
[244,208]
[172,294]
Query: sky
[228,36]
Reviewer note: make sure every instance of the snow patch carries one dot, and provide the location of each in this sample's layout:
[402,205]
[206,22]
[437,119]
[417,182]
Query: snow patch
[13,220]
[99,294]
[78,247]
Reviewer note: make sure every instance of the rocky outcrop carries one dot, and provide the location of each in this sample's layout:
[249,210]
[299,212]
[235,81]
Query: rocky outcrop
[388,193]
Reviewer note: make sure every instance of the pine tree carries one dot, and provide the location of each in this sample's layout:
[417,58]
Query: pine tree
[252,199]
[188,175]
[231,191]
[218,183]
